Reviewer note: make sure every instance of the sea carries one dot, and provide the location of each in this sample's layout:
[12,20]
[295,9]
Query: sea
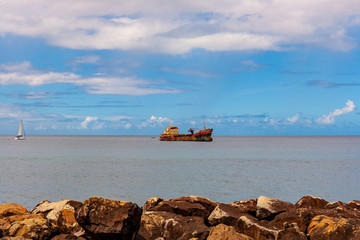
[135,168]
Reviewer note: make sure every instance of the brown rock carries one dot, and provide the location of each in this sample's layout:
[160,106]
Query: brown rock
[151,203]
[26,226]
[223,231]
[340,210]
[267,208]
[226,214]
[246,206]
[186,206]
[183,208]
[64,236]
[108,219]
[291,232]
[196,199]
[52,209]
[61,215]
[301,216]
[311,202]
[333,205]
[354,204]
[259,230]
[66,223]
[324,227]
[10,209]
[159,224]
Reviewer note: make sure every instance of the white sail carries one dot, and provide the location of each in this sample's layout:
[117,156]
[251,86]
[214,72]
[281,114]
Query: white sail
[20,129]
[21,134]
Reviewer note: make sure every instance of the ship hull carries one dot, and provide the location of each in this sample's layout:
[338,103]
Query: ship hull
[201,136]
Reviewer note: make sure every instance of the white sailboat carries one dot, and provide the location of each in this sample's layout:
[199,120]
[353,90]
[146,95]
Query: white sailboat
[21,132]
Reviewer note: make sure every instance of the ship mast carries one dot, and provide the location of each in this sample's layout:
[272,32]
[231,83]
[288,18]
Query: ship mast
[204,123]
[170,120]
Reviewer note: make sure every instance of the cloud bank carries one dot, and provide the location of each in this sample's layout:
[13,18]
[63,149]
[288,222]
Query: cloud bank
[24,73]
[330,118]
[176,27]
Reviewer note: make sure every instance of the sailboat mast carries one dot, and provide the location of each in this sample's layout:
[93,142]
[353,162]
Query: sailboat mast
[204,124]
[170,120]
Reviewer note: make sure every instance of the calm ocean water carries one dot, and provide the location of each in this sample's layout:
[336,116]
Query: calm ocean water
[135,168]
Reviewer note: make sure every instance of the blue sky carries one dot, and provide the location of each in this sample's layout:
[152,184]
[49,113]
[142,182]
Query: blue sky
[123,67]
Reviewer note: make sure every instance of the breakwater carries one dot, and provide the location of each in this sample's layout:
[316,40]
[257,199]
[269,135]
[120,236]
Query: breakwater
[189,217]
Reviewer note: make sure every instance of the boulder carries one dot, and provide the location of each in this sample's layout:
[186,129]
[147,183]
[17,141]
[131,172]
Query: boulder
[186,206]
[61,215]
[333,205]
[301,216]
[291,232]
[26,226]
[311,202]
[159,224]
[226,214]
[10,209]
[52,209]
[246,206]
[259,230]
[108,219]
[267,208]
[340,210]
[223,231]
[325,227]
[151,203]
[66,223]
[65,236]
[354,204]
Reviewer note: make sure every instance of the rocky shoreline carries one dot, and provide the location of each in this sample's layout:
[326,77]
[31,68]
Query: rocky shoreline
[188,217]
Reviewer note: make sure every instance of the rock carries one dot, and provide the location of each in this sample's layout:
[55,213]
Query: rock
[226,214]
[325,227]
[354,204]
[196,199]
[10,209]
[151,203]
[340,210]
[333,205]
[61,215]
[311,202]
[259,230]
[186,206]
[66,223]
[223,231]
[301,216]
[291,232]
[64,236]
[246,206]
[26,226]
[267,208]
[109,219]
[160,224]
[52,209]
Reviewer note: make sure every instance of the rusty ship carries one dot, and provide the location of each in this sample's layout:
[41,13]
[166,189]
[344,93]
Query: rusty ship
[171,133]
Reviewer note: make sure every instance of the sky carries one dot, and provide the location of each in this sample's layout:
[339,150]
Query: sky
[248,67]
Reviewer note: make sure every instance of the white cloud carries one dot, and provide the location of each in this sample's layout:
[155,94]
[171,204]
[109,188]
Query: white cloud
[153,122]
[87,121]
[90,59]
[24,73]
[293,119]
[179,26]
[117,118]
[41,127]
[330,118]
